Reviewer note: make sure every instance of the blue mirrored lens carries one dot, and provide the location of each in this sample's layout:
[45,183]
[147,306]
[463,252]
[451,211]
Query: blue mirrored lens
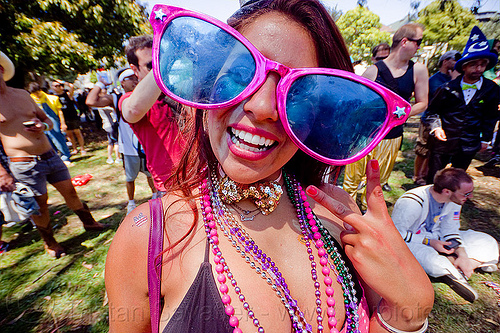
[202,63]
[333,116]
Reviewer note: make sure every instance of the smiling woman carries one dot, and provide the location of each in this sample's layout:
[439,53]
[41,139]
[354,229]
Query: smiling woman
[264,88]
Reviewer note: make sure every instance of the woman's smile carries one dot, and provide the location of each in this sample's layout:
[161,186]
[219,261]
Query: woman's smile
[249,140]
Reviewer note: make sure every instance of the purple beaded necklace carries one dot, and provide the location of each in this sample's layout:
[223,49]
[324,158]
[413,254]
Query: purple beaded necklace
[215,213]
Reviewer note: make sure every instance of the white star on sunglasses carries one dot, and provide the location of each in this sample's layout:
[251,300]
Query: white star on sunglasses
[159,14]
[400,112]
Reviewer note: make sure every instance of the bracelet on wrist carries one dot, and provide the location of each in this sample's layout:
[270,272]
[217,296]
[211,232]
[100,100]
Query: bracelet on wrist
[426,241]
[391,329]
[46,126]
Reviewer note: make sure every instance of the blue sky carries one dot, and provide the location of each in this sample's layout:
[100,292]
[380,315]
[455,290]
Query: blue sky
[388,10]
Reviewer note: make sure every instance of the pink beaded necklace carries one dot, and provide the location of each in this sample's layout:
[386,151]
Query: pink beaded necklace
[215,213]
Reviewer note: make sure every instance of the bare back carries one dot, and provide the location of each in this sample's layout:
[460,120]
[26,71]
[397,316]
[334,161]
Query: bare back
[16,107]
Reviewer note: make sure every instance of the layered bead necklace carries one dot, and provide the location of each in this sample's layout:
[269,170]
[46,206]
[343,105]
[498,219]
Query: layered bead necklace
[217,215]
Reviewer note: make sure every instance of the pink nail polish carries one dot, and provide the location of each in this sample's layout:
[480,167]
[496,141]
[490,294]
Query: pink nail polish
[374,165]
[312,190]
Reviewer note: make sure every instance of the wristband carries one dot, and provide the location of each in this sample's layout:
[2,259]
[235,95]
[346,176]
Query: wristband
[46,126]
[425,241]
[391,329]
[100,85]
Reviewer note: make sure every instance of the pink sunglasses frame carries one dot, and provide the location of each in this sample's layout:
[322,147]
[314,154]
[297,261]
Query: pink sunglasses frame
[161,15]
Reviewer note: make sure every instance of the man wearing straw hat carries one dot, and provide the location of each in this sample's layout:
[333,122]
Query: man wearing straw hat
[32,160]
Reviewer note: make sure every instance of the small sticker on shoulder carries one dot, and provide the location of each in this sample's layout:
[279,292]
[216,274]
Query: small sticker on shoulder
[140,219]
[301,239]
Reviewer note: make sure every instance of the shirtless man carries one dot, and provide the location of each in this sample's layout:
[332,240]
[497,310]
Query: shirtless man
[32,159]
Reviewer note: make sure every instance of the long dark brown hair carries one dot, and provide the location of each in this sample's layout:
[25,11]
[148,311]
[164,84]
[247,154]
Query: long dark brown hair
[331,53]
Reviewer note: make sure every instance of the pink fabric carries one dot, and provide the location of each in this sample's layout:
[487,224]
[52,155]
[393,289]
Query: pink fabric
[163,143]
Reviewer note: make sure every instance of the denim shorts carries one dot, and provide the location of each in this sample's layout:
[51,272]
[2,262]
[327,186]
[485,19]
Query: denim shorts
[134,164]
[37,173]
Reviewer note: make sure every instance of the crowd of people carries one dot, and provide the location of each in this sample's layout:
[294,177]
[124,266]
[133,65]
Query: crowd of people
[234,134]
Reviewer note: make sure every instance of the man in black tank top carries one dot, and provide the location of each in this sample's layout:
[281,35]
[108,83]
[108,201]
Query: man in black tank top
[398,73]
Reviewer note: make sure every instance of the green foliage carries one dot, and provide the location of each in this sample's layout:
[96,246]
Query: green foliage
[447,24]
[93,77]
[491,29]
[361,31]
[63,38]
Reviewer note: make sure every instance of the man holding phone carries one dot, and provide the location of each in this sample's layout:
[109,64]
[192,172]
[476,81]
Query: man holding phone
[32,160]
[428,219]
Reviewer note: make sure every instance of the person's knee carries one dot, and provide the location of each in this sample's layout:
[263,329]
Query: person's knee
[439,265]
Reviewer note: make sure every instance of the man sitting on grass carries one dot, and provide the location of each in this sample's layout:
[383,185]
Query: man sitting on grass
[428,219]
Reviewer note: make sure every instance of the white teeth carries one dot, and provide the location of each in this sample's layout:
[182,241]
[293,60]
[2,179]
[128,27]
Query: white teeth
[250,139]
[244,146]
[253,139]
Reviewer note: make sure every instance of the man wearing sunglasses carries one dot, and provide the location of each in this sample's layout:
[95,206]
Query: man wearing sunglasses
[150,117]
[428,219]
[406,78]
[463,113]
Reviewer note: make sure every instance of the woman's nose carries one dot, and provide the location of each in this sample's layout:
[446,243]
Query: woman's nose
[263,104]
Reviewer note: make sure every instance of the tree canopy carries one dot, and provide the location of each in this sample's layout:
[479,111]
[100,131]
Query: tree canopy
[361,31]
[66,37]
[491,29]
[447,24]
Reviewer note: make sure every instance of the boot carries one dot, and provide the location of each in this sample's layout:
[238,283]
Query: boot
[53,248]
[88,220]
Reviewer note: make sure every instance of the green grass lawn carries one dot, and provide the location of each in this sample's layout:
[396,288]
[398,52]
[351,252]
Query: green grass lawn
[41,294]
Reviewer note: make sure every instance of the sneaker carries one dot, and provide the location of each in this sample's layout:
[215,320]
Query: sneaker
[492,162]
[489,268]
[361,185]
[461,287]
[420,181]
[118,161]
[130,207]
[386,187]
[109,161]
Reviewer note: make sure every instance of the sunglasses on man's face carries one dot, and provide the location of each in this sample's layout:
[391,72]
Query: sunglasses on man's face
[148,65]
[416,41]
[334,116]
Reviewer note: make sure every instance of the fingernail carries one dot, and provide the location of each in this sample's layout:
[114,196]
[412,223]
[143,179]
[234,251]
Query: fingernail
[312,191]
[374,165]
[349,227]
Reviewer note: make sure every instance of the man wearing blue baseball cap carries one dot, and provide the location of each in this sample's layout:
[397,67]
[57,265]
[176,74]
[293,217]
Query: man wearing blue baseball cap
[463,113]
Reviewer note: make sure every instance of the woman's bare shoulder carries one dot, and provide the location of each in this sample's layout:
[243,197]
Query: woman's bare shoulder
[133,232]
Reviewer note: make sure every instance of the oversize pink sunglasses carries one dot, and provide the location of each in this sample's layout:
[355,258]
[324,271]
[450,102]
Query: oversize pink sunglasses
[334,116]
